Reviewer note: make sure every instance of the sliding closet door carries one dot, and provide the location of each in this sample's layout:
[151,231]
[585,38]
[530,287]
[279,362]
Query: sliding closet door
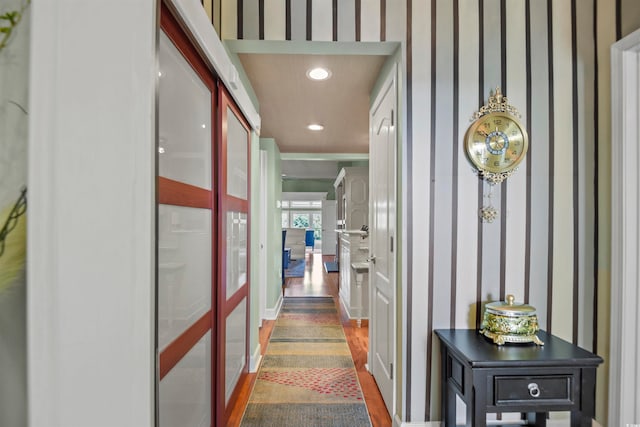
[186,232]
[233,252]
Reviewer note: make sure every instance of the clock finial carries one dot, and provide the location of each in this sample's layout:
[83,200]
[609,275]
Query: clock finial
[496,103]
[498,95]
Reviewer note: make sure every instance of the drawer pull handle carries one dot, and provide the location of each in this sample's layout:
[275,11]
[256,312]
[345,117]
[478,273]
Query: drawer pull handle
[534,391]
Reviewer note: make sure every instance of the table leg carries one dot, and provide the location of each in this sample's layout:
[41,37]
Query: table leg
[449,407]
[584,418]
[448,403]
[538,419]
[477,411]
[578,419]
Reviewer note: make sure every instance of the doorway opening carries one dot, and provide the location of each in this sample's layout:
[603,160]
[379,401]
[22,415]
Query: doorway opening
[344,105]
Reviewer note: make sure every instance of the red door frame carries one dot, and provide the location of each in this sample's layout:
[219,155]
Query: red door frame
[217,200]
[180,194]
[228,203]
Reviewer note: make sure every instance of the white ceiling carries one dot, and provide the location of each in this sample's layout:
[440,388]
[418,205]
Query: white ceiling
[289,101]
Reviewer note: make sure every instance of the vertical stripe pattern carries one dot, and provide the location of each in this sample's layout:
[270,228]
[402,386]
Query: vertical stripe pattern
[251,19]
[383,20]
[544,247]
[275,19]
[334,20]
[408,215]
[576,171]
[261,19]
[503,200]
[541,53]
[585,104]
[629,17]
[288,20]
[454,162]
[309,19]
[358,20]
[527,245]
[432,180]
[480,186]
[313,20]
[514,211]
[551,158]
[240,18]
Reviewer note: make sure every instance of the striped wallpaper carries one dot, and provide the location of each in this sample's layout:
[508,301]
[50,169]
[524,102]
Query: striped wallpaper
[549,246]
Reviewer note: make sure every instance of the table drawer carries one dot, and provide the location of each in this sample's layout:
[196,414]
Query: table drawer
[550,389]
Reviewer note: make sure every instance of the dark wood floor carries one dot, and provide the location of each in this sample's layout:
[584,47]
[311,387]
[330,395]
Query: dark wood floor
[317,282]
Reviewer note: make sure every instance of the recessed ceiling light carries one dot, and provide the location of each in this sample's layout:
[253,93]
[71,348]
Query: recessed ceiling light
[315,127]
[318,73]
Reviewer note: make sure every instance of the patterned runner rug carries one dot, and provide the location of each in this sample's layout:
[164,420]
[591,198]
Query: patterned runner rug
[307,377]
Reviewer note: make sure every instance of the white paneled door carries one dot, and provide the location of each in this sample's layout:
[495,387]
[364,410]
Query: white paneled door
[382,250]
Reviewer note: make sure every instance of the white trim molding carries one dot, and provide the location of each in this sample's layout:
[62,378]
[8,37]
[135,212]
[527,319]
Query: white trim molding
[255,359]
[624,378]
[205,36]
[272,313]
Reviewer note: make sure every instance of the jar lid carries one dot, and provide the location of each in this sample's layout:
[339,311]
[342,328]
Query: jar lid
[510,308]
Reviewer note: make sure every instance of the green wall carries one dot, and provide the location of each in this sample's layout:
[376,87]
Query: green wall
[310,185]
[273,213]
[298,185]
[352,164]
[254,267]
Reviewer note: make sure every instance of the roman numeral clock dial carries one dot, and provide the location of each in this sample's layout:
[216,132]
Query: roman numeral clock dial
[495,143]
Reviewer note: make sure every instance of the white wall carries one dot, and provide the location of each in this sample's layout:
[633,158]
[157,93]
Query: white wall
[91,226]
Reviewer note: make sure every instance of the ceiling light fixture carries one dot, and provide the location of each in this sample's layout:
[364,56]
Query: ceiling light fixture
[318,73]
[315,127]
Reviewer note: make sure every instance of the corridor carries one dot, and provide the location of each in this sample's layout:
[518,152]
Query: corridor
[316,282]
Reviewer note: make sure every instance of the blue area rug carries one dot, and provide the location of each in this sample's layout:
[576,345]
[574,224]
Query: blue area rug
[331,267]
[296,268]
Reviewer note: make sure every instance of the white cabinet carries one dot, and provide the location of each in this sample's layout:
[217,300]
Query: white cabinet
[352,194]
[354,281]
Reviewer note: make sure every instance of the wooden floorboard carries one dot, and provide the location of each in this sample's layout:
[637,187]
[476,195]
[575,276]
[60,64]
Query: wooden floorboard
[317,282]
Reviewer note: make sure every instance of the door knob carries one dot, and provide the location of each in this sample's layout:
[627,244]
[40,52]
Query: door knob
[372,258]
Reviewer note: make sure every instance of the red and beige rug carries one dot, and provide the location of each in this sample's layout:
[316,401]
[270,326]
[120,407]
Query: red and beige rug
[307,377]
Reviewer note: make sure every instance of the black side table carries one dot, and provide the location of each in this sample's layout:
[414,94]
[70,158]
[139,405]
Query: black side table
[525,378]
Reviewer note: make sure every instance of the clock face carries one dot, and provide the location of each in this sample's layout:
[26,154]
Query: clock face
[496,142]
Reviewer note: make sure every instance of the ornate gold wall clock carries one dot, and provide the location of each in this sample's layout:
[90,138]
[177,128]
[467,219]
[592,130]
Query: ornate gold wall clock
[495,144]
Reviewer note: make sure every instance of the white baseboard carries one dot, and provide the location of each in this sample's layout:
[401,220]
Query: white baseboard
[272,313]
[397,422]
[255,359]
